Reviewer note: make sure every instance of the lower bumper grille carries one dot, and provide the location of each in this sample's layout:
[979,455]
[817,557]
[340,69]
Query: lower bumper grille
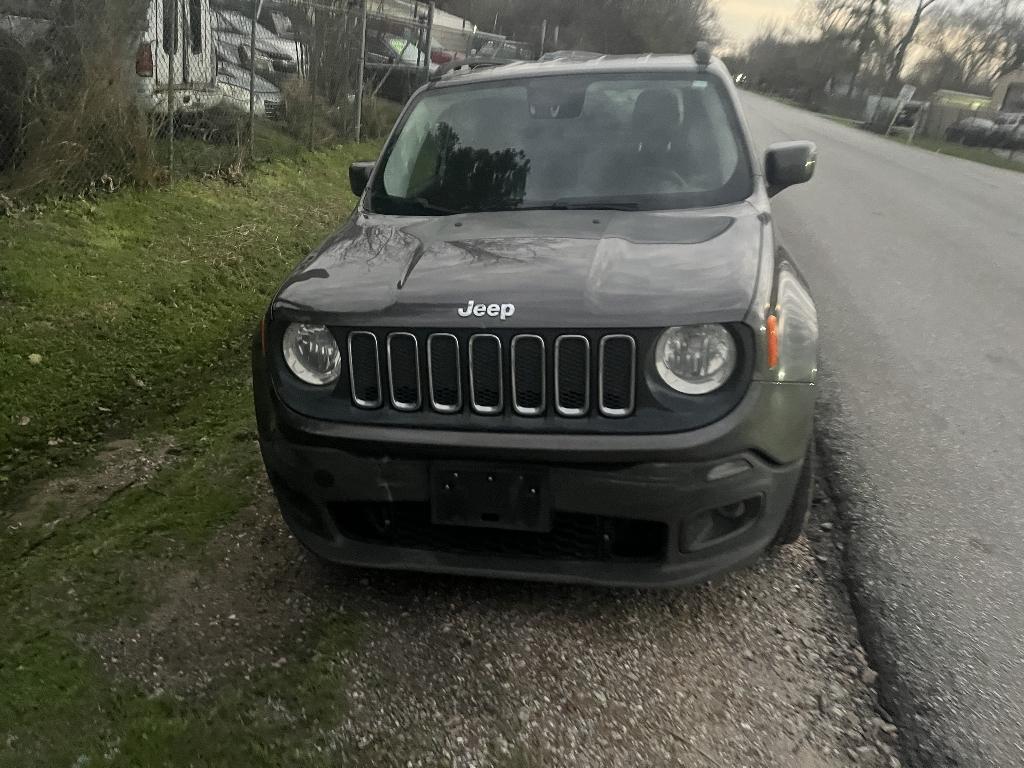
[572,537]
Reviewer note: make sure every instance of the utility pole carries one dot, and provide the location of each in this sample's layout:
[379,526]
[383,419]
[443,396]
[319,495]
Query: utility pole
[430,37]
[543,35]
[257,7]
[362,71]
[171,106]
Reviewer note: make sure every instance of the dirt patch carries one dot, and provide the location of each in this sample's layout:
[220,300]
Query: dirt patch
[243,606]
[117,467]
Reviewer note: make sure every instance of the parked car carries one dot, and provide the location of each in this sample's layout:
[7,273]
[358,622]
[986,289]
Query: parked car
[233,82]
[176,55]
[506,50]
[234,44]
[396,65]
[557,339]
[179,52]
[441,56]
[972,131]
[169,53]
[387,48]
[1008,131]
[570,56]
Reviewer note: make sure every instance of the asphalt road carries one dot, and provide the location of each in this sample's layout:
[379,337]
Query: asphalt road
[916,261]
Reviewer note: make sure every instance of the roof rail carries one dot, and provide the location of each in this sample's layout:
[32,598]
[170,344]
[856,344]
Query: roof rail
[702,54]
[469,64]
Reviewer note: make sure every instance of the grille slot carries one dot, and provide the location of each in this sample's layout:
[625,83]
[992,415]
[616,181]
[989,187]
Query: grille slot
[572,376]
[529,376]
[617,385]
[445,372]
[364,369]
[404,371]
[485,374]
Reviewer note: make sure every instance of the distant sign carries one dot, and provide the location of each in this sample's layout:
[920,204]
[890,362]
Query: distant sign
[906,94]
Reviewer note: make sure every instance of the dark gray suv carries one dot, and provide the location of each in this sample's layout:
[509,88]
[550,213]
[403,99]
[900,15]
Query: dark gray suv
[557,338]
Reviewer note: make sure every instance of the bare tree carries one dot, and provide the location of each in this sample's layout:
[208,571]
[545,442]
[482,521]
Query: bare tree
[969,46]
[611,26]
[899,56]
[870,20]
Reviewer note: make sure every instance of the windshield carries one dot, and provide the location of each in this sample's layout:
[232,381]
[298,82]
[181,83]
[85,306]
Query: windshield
[645,142]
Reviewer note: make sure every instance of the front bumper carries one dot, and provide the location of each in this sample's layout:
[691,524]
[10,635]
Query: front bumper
[627,510]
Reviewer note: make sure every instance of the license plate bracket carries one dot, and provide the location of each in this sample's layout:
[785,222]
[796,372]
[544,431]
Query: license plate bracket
[500,498]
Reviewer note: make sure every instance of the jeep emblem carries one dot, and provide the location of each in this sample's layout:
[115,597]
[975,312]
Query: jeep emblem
[501,311]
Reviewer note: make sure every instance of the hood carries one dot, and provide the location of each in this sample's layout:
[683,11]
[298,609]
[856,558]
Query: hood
[554,268]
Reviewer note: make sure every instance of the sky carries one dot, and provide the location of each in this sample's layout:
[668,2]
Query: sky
[741,19]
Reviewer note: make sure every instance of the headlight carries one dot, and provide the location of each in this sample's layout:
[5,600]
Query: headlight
[696,359]
[312,353]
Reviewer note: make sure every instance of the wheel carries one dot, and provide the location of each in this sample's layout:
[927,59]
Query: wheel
[796,516]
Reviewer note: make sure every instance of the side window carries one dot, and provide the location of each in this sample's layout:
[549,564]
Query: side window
[195,24]
[723,152]
[413,160]
[170,25]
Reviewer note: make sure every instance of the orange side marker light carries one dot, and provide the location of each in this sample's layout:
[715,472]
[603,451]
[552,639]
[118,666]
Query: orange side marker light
[773,341]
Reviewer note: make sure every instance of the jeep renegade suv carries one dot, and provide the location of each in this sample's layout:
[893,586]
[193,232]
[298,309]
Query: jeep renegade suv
[555,340]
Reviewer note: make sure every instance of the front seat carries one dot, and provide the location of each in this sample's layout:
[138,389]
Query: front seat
[653,148]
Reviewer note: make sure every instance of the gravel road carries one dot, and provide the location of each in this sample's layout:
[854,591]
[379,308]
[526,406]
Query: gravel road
[915,261]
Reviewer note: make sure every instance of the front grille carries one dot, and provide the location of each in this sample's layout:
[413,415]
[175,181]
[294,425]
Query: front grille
[526,375]
[572,536]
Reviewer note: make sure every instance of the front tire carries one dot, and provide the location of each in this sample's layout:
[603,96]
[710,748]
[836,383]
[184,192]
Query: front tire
[800,508]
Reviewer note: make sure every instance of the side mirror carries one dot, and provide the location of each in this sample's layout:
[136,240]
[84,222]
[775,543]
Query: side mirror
[359,177]
[789,163]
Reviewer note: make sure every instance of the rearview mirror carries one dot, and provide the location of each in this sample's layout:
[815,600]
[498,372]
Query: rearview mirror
[789,163]
[359,177]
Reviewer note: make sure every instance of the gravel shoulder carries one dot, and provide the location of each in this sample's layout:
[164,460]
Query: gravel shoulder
[245,640]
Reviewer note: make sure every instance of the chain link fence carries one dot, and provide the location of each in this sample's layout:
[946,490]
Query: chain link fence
[101,94]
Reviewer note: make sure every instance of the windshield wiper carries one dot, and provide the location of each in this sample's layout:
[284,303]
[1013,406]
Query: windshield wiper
[429,207]
[565,205]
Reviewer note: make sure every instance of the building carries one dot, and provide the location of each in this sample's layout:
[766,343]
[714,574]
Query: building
[972,101]
[1008,95]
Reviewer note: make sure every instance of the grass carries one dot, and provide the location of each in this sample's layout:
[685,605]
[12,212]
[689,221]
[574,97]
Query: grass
[110,310]
[849,121]
[140,308]
[60,707]
[975,154]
